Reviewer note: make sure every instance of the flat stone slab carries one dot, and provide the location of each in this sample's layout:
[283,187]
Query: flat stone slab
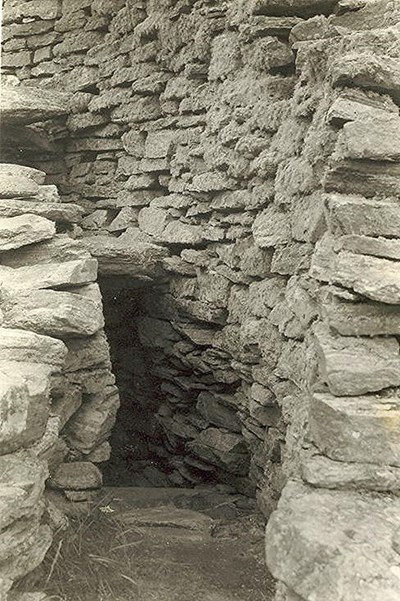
[17,186]
[161,517]
[334,545]
[24,230]
[19,105]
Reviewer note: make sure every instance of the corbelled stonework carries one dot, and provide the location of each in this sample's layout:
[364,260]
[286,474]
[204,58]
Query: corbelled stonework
[236,164]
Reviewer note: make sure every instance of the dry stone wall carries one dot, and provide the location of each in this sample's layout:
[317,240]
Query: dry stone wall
[57,394]
[241,160]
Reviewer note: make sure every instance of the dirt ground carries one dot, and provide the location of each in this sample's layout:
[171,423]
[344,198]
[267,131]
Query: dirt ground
[158,545]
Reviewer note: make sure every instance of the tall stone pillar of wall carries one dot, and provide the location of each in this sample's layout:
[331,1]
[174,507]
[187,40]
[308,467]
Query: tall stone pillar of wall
[57,395]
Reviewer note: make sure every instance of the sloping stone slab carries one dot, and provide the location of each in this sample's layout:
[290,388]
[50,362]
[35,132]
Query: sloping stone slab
[53,313]
[353,366]
[327,545]
[357,429]
[122,256]
[59,249]
[20,345]
[23,230]
[58,212]
[19,105]
[50,275]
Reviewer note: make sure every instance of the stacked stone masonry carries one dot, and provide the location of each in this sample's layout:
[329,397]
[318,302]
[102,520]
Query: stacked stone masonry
[239,161]
[58,398]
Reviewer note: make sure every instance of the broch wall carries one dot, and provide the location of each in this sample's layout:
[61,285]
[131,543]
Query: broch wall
[234,168]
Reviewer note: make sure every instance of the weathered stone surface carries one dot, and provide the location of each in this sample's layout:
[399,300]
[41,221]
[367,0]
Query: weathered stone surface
[19,105]
[26,229]
[223,449]
[353,366]
[79,475]
[357,429]
[320,552]
[19,345]
[50,275]
[375,278]
[24,407]
[55,313]
[271,227]
[84,353]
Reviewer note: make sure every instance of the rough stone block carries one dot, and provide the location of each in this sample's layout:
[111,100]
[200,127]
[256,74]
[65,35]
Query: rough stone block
[217,411]
[78,475]
[360,216]
[224,449]
[19,105]
[357,429]
[20,172]
[24,402]
[301,8]
[353,366]
[92,423]
[17,186]
[376,140]
[55,313]
[319,553]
